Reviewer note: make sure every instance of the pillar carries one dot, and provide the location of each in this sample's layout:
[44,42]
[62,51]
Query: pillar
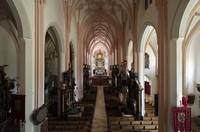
[29,83]
[175,75]
[141,79]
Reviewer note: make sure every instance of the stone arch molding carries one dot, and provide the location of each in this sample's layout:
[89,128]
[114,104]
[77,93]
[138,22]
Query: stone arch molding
[186,30]
[141,46]
[9,27]
[22,30]
[190,30]
[58,35]
[20,14]
[146,28]
[144,36]
[179,21]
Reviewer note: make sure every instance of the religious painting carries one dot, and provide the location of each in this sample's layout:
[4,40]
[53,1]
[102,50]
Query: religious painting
[147,61]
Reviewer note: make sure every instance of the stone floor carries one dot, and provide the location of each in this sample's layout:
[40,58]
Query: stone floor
[99,123]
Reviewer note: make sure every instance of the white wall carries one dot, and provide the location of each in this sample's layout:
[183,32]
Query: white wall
[193,71]
[8,53]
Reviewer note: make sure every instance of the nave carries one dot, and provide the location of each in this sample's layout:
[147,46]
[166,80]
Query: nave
[47,45]
[100,117]
[105,116]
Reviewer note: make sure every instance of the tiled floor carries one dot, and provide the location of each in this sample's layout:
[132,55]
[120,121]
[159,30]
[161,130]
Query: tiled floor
[99,123]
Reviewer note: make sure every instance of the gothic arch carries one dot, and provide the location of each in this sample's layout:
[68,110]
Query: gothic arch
[189,32]
[55,37]
[53,27]
[19,29]
[52,71]
[185,25]
[14,26]
[148,26]
[21,17]
[9,27]
[148,35]
[177,28]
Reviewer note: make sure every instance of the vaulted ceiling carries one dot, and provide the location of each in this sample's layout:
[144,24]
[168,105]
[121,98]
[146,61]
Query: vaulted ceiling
[118,9]
[5,13]
[102,21]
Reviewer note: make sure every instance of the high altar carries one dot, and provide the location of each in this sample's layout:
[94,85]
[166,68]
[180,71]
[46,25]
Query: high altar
[100,64]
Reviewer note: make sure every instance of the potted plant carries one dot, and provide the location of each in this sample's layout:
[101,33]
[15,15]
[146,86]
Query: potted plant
[191,99]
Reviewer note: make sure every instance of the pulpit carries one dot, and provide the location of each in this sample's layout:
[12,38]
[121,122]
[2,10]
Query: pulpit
[181,119]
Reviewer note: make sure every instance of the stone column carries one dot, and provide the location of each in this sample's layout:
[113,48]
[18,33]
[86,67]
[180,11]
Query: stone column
[39,49]
[176,76]
[30,93]
[163,64]
[141,80]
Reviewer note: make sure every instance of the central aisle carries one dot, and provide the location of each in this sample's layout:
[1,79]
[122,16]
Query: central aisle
[99,123]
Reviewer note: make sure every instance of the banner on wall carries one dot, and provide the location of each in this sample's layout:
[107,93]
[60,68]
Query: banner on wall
[181,119]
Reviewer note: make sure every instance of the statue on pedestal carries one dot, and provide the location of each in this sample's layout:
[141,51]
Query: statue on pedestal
[86,75]
[67,92]
[115,72]
[135,91]
[6,85]
[124,82]
[122,86]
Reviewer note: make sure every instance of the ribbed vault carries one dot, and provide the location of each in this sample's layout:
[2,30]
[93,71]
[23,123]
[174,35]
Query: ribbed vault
[100,33]
[101,23]
[100,29]
[99,38]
